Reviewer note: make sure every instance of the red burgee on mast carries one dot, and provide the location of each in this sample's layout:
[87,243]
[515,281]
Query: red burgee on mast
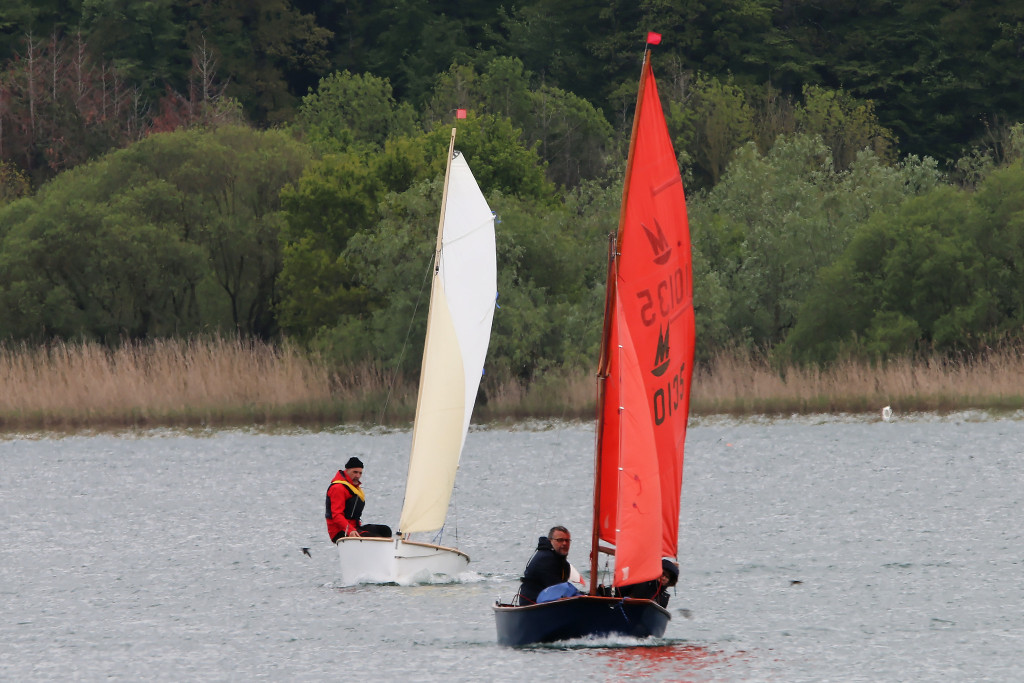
[460,113]
[650,354]
[653,38]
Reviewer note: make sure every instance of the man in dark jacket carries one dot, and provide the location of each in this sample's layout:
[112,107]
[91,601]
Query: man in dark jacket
[655,589]
[345,503]
[548,566]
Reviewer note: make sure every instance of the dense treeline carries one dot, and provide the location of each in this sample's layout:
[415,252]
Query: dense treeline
[81,76]
[815,232]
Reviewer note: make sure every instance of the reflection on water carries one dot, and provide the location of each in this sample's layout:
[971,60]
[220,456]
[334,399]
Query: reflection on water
[675,662]
[660,659]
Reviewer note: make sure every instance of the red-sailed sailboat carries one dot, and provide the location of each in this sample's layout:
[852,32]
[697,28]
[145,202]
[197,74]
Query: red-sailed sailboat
[643,397]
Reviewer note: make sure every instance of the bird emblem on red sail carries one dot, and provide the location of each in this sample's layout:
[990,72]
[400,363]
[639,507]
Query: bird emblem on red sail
[659,243]
[661,357]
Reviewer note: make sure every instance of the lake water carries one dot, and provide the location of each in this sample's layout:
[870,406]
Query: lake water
[813,549]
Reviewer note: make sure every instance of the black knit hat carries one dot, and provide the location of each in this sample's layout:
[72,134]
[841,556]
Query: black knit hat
[670,568]
[354,462]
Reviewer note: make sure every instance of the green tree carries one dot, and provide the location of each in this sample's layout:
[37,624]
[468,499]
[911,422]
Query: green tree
[719,36]
[350,110]
[389,266]
[709,126]
[340,197]
[13,183]
[939,275]
[74,263]
[570,135]
[457,88]
[334,199]
[845,124]
[144,40]
[938,71]
[173,235]
[551,281]
[418,39]
[504,88]
[262,47]
[559,40]
[574,138]
[37,18]
[501,161]
[550,284]
[775,220]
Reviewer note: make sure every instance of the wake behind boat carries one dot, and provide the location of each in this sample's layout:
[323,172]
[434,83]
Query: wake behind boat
[643,398]
[462,297]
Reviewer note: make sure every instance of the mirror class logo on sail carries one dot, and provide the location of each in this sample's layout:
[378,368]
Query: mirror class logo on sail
[662,304]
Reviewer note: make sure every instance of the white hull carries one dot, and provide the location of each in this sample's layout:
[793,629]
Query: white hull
[393,560]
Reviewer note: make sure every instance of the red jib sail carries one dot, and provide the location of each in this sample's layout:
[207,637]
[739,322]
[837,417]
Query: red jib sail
[647,356]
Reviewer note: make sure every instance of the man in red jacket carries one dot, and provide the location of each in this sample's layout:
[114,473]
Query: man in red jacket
[345,502]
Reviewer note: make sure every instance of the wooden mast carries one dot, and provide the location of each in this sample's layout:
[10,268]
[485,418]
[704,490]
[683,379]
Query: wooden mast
[444,199]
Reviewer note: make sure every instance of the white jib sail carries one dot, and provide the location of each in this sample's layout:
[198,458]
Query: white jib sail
[462,301]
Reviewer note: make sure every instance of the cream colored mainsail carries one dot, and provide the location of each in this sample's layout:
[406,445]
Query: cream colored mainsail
[462,301]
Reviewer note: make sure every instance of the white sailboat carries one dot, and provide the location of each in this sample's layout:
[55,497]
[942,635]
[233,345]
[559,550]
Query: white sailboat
[462,301]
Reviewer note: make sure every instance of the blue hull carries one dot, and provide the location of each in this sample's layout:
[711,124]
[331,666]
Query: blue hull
[579,617]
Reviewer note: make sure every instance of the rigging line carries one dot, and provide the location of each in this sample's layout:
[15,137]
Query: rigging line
[453,515]
[606,573]
[453,504]
[405,344]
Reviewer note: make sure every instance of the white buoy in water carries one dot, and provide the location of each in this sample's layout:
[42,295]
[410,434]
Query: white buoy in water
[887,413]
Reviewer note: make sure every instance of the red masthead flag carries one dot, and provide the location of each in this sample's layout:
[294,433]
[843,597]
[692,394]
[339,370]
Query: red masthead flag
[653,38]
[460,113]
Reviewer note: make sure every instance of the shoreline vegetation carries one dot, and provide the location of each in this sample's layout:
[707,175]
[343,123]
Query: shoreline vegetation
[222,383]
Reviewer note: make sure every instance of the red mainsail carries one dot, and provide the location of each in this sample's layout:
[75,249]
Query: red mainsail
[647,355]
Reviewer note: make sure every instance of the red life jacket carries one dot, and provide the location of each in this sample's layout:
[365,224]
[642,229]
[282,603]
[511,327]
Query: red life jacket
[344,506]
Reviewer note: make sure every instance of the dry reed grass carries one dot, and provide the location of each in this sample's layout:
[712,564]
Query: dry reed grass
[561,394]
[220,382]
[742,384]
[162,382]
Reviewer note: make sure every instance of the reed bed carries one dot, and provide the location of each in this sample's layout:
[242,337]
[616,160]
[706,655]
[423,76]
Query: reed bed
[194,382]
[741,383]
[558,394]
[219,382]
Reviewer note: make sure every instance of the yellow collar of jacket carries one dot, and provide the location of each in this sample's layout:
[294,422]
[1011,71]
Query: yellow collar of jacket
[351,487]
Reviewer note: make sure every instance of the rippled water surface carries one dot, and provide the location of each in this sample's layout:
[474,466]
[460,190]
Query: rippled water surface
[812,550]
